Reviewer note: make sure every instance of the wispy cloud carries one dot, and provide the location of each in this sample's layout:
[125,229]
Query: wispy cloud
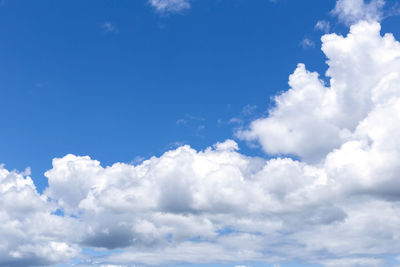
[170,6]
[307,43]
[109,27]
[189,118]
[352,11]
[323,25]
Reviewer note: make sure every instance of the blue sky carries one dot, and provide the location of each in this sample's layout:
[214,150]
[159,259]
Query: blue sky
[69,86]
[122,81]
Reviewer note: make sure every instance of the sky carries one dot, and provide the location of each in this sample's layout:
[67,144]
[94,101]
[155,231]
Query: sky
[200,133]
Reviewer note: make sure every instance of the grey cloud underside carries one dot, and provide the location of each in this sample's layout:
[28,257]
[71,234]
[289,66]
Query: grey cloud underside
[337,206]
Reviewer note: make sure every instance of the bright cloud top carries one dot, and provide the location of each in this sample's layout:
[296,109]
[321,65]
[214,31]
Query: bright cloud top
[311,119]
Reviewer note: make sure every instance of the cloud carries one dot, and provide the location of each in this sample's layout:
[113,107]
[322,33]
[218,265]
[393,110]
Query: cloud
[30,234]
[189,118]
[307,43]
[109,27]
[354,262]
[352,11]
[314,118]
[170,6]
[323,25]
[336,203]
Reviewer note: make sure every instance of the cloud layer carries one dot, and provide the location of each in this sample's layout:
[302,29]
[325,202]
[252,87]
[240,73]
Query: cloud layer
[337,205]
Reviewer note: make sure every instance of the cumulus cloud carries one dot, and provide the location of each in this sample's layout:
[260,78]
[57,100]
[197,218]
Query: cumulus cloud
[336,203]
[170,6]
[30,234]
[313,118]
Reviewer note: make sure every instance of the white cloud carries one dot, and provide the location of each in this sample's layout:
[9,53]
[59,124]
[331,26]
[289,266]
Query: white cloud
[337,206]
[307,43]
[323,25]
[30,234]
[312,118]
[352,11]
[170,6]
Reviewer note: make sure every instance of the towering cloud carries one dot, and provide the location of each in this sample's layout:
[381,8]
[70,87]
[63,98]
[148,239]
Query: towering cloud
[312,118]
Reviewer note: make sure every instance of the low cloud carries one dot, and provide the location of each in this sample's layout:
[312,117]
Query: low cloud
[328,193]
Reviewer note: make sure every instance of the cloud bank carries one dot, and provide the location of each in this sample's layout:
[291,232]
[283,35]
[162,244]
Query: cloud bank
[336,205]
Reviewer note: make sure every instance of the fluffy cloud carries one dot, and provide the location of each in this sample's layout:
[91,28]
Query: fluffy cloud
[170,6]
[338,205]
[352,11]
[312,118]
[30,234]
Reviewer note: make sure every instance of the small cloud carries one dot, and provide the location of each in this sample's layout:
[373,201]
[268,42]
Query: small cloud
[307,43]
[40,84]
[195,123]
[323,25]
[235,120]
[394,10]
[188,118]
[352,11]
[138,160]
[248,112]
[170,6]
[27,171]
[181,121]
[249,109]
[174,145]
[109,27]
